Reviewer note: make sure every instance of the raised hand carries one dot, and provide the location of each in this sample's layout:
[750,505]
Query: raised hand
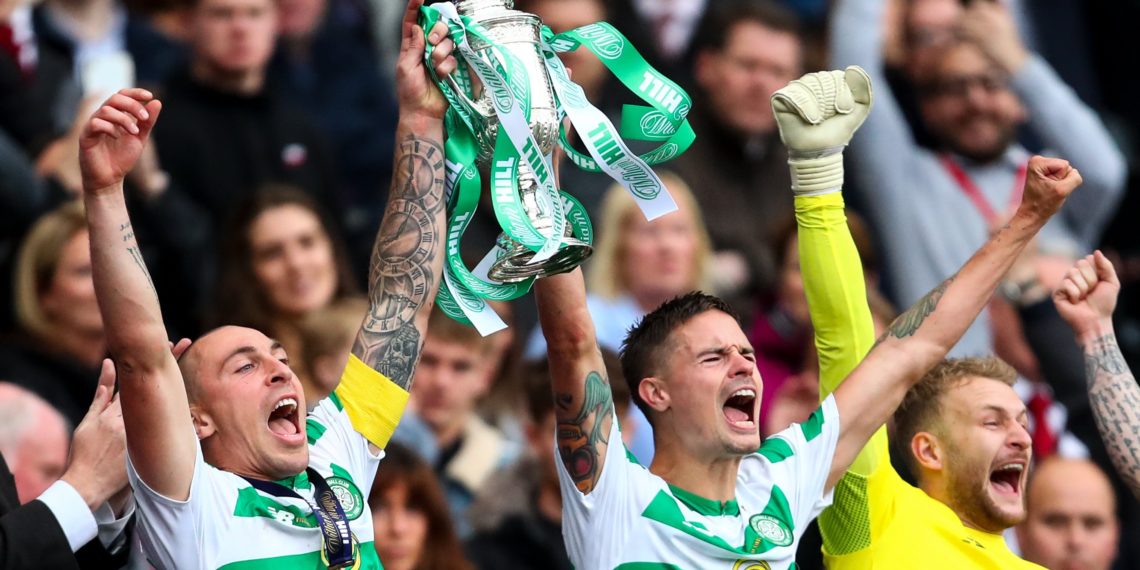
[822,110]
[114,138]
[414,89]
[97,467]
[1087,296]
[990,25]
[1048,184]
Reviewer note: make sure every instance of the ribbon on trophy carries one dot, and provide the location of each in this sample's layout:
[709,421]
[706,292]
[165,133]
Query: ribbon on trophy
[505,79]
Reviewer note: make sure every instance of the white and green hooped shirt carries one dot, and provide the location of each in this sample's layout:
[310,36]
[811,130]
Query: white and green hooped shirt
[634,520]
[228,524]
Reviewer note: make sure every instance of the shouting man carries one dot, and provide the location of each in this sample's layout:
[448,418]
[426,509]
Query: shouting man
[715,494]
[227,469]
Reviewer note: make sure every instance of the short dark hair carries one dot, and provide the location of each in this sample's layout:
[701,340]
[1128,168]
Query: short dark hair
[723,15]
[641,352]
[922,405]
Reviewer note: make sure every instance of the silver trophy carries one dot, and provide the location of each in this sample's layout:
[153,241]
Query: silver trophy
[519,32]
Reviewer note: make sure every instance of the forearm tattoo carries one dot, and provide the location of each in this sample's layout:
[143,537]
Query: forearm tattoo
[909,322]
[402,273]
[133,249]
[583,430]
[1115,400]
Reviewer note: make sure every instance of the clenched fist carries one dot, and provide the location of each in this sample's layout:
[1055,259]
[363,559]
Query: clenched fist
[1048,183]
[1087,296]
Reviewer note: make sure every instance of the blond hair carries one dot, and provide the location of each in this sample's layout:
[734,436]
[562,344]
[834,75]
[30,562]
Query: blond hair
[922,405]
[37,263]
[605,275]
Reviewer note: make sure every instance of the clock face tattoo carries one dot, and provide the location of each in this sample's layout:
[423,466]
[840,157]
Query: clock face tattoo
[417,172]
[409,234]
[403,293]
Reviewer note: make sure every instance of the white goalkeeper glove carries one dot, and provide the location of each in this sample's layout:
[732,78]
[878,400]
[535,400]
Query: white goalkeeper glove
[817,115]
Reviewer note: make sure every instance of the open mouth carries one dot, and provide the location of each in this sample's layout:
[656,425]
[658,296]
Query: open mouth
[1006,480]
[740,408]
[284,420]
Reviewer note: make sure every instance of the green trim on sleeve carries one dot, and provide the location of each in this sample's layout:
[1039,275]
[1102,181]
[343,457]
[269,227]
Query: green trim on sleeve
[314,430]
[814,424]
[775,450]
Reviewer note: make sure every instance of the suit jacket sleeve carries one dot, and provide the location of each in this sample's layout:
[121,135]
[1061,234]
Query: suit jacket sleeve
[30,536]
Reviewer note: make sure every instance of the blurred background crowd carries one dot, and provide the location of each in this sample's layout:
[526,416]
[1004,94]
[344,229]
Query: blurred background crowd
[257,202]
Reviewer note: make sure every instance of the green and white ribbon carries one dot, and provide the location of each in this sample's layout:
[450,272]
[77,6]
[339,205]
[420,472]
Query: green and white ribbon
[666,120]
[463,293]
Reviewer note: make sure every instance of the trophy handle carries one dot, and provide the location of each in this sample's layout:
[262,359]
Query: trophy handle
[479,110]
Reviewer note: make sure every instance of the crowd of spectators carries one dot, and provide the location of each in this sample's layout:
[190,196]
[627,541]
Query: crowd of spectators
[258,200]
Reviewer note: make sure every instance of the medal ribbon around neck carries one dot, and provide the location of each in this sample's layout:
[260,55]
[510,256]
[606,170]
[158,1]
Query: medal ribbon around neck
[336,535]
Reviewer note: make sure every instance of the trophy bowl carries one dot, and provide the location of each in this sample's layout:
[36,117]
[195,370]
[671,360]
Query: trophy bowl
[520,33]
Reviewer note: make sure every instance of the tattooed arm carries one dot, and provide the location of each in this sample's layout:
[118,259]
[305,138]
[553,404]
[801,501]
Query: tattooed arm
[583,403]
[1086,300]
[924,334]
[160,437]
[406,261]
[407,258]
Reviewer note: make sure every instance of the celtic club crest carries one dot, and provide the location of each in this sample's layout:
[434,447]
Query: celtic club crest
[349,496]
[771,529]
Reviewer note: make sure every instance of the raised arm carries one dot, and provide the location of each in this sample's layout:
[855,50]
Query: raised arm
[1086,300]
[160,436]
[926,332]
[885,149]
[583,403]
[832,273]
[407,261]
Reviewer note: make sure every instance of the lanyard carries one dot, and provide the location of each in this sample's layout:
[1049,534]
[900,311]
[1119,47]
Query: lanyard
[975,195]
[330,516]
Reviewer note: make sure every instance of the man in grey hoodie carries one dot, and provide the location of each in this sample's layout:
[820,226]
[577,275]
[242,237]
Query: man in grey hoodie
[935,207]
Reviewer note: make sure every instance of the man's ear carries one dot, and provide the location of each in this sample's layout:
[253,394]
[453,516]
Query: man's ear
[655,393]
[928,451]
[486,378]
[703,68]
[1020,112]
[203,425]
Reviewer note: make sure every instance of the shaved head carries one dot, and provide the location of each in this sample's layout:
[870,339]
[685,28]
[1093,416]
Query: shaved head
[1071,519]
[190,361]
[236,379]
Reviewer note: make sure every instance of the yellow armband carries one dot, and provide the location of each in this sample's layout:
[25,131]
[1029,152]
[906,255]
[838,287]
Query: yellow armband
[374,403]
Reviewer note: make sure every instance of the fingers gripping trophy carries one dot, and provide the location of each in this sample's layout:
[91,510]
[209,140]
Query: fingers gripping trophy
[510,100]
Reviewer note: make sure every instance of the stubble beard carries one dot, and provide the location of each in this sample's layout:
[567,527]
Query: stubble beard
[970,497]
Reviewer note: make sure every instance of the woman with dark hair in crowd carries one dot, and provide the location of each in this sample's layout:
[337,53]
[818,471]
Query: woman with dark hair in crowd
[413,529]
[61,341]
[281,261]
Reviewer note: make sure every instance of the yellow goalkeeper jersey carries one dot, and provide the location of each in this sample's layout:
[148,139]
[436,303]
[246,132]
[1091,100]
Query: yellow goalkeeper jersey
[877,520]
[884,522]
